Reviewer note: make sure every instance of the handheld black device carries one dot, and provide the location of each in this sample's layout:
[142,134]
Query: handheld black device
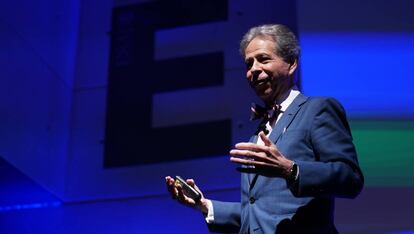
[187,189]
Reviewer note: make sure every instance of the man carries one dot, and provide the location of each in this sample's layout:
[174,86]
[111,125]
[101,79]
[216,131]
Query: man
[301,158]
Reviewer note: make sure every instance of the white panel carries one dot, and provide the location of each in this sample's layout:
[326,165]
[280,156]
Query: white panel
[189,40]
[187,110]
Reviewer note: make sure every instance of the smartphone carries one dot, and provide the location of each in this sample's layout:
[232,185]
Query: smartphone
[187,189]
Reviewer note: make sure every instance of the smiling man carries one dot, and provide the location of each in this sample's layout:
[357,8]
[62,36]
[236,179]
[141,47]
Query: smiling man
[300,159]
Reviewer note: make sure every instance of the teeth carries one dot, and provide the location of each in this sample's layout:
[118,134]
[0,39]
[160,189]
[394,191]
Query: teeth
[261,81]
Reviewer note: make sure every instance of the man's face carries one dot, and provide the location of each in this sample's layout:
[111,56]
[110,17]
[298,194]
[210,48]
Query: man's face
[267,73]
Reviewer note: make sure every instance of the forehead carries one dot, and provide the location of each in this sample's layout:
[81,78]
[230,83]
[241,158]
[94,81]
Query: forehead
[260,45]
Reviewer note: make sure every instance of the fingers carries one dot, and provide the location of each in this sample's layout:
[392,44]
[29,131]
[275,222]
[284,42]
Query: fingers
[255,147]
[249,162]
[169,179]
[192,184]
[257,160]
[177,192]
[169,182]
[180,195]
[269,148]
[265,139]
[261,156]
[251,146]
[171,186]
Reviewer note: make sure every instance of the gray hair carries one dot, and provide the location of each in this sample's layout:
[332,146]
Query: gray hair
[286,44]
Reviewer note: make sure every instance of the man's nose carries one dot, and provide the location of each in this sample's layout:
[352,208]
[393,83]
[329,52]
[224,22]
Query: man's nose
[256,69]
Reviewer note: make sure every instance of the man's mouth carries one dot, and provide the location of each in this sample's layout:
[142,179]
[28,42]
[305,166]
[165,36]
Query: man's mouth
[260,82]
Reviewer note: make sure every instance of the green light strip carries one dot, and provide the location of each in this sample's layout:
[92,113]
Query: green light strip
[385,151]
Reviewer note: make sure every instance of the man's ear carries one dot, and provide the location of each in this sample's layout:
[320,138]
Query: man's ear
[292,67]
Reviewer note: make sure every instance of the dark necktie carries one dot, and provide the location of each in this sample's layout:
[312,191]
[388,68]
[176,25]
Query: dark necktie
[266,114]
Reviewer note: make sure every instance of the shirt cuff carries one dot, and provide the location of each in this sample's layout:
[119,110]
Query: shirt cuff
[210,214]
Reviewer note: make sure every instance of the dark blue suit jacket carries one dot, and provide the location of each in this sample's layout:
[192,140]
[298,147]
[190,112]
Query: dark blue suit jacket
[315,134]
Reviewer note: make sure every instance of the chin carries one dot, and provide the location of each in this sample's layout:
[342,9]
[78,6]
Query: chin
[266,98]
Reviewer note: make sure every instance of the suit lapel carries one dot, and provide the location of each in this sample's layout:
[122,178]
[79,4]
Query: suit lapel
[287,117]
[281,126]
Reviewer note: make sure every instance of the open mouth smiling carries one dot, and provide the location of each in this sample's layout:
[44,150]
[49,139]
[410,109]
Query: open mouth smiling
[260,82]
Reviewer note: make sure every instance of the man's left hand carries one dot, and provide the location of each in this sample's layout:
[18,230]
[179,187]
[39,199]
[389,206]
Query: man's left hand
[262,159]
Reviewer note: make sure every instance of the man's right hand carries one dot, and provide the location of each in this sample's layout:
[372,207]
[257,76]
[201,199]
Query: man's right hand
[177,193]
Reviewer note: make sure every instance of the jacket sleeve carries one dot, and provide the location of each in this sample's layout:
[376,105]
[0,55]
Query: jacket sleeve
[335,170]
[226,217]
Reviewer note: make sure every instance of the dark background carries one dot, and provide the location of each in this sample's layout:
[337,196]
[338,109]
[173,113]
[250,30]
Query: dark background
[99,100]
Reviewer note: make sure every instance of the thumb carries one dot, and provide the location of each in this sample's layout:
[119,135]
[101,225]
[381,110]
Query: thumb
[265,139]
[192,184]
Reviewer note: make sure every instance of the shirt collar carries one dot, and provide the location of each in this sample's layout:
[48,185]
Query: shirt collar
[291,95]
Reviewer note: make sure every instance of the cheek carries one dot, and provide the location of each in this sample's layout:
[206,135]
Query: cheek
[248,75]
[284,69]
[277,71]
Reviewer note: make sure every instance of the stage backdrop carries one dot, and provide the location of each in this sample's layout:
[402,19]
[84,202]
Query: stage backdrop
[101,99]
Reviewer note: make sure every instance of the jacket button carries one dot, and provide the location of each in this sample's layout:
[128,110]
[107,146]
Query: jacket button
[252,200]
